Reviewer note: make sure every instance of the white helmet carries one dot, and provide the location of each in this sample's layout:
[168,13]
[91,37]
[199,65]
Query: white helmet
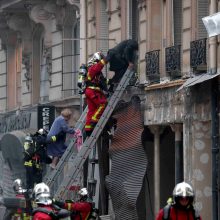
[42,131]
[17,186]
[42,194]
[183,189]
[83,192]
[96,57]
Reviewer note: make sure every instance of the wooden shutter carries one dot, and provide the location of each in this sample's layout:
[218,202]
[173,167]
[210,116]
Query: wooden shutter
[177,14]
[203,10]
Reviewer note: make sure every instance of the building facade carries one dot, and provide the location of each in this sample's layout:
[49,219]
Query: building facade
[44,42]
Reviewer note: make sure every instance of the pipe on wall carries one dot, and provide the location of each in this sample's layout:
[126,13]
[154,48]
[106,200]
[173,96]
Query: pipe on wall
[214,116]
[83,28]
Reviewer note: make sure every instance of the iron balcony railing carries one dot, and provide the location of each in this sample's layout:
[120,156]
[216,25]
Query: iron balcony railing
[152,59]
[198,55]
[173,61]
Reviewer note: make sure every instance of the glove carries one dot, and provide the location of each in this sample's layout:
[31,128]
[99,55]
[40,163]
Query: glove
[58,203]
[54,138]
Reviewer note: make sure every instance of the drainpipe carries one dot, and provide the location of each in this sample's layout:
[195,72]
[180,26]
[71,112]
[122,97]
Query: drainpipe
[215,147]
[83,42]
[177,128]
[83,23]
[214,117]
[83,59]
[156,130]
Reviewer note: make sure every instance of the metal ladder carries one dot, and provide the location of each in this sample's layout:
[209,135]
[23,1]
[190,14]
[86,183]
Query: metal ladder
[81,157]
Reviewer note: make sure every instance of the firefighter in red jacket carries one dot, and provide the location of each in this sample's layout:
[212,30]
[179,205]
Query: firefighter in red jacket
[24,209]
[45,209]
[182,207]
[94,92]
[41,194]
[81,210]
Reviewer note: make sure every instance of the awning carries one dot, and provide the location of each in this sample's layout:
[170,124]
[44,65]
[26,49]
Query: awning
[197,79]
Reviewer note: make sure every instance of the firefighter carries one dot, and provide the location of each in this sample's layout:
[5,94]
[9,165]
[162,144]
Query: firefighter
[25,212]
[82,209]
[35,156]
[94,92]
[24,209]
[182,206]
[121,57]
[45,209]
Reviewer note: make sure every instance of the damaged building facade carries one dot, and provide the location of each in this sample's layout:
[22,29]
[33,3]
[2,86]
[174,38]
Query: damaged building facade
[42,46]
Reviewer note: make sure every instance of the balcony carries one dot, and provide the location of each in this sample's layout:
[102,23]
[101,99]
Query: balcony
[153,66]
[173,64]
[198,56]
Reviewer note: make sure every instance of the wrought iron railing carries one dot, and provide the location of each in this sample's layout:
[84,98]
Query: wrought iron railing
[173,61]
[198,55]
[152,59]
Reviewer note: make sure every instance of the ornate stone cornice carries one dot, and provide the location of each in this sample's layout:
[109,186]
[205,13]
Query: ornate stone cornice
[73,2]
[43,14]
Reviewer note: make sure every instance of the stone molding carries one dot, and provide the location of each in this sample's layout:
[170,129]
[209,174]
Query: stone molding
[44,14]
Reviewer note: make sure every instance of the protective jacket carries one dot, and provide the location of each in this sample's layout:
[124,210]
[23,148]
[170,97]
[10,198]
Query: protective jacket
[179,213]
[23,213]
[95,98]
[42,215]
[81,210]
[34,156]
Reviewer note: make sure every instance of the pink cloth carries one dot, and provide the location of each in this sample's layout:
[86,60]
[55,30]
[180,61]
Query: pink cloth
[79,139]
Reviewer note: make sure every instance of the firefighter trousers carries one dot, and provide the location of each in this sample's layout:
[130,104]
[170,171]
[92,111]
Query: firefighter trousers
[96,102]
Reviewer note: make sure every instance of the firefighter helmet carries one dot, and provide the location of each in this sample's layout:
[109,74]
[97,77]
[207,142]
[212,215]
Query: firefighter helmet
[183,189]
[83,192]
[42,131]
[17,186]
[96,57]
[41,194]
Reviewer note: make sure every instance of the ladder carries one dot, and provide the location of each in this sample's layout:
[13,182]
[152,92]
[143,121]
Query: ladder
[81,157]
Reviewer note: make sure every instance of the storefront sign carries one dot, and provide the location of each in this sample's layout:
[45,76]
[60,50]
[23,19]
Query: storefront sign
[46,116]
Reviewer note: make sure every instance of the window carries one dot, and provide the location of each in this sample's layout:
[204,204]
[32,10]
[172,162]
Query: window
[177,22]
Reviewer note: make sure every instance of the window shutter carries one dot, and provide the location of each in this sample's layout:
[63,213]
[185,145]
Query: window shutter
[177,14]
[203,10]
[133,24]
[103,44]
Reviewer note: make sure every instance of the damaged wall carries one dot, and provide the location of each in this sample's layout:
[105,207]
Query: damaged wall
[163,106]
[129,163]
